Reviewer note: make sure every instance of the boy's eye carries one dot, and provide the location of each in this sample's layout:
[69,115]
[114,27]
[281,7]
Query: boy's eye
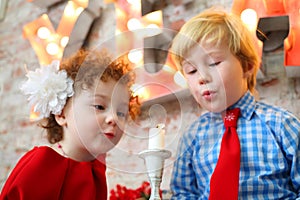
[192,71]
[99,107]
[189,69]
[214,64]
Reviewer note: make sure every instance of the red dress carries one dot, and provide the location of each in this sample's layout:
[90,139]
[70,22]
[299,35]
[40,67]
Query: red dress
[44,174]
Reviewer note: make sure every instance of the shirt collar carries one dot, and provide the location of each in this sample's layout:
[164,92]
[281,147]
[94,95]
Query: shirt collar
[246,104]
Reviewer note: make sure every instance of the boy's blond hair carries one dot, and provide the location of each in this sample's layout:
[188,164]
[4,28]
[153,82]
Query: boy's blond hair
[215,26]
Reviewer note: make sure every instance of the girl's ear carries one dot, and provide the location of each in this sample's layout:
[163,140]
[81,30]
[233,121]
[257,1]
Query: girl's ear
[249,71]
[61,119]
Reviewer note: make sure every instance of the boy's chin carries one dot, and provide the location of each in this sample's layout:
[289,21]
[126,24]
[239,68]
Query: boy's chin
[214,109]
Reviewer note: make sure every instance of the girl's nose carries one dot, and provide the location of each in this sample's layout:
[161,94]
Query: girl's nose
[110,119]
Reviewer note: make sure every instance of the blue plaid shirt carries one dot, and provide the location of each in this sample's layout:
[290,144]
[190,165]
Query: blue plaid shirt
[270,153]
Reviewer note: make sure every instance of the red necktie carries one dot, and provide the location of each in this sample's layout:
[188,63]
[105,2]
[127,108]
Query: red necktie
[224,183]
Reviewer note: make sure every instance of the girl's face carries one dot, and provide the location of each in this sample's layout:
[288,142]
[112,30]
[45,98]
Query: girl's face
[95,120]
[215,76]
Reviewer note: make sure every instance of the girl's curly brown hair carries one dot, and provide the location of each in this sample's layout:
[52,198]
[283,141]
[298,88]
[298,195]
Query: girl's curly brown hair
[85,68]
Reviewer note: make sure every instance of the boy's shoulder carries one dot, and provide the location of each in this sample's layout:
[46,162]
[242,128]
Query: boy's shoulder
[265,109]
[275,115]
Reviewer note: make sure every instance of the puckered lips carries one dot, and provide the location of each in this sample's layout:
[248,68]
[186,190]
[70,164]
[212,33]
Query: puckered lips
[208,94]
[109,135]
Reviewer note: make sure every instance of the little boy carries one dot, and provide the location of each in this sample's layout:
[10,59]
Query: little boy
[216,54]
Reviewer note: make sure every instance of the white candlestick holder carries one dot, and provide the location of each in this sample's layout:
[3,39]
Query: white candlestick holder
[154,160]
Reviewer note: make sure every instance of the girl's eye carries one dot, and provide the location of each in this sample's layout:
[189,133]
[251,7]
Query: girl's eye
[214,64]
[99,107]
[121,114]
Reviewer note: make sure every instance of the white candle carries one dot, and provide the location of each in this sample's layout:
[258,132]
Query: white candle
[157,137]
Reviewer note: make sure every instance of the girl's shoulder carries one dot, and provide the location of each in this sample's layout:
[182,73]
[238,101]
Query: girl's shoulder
[37,162]
[37,171]
[43,172]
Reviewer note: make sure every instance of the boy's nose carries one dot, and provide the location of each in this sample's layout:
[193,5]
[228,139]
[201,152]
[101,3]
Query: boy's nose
[204,78]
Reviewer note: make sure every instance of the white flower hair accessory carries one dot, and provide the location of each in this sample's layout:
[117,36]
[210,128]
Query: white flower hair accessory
[47,89]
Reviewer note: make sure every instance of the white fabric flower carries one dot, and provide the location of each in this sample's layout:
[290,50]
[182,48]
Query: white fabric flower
[47,89]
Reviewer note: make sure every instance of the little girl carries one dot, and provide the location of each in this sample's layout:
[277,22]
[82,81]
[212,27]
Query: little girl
[84,104]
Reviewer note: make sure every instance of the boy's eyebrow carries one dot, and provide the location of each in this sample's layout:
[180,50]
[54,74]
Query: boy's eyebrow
[214,51]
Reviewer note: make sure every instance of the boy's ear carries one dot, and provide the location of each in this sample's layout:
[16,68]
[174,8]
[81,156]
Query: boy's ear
[61,119]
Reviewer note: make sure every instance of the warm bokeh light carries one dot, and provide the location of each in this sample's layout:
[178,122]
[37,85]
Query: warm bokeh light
[33,115]
[152,30]
[43,32]
[52,48]
[70,10]
[180,80]
[79,10]
[154,18]
[132,2]
[64,41]
[135,56]
[82,3]
[135,5]
[118,31]
[74,9]
[120,13]
[134,24]
[249,17]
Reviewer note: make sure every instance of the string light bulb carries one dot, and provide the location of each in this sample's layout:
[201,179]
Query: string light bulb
[135,56]
[134,24]
[249,17]
[64,41]
[69,10]
[43,32]
[52,48]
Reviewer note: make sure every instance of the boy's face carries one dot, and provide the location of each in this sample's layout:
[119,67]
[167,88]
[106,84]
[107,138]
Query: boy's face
[215,76]
[96,118]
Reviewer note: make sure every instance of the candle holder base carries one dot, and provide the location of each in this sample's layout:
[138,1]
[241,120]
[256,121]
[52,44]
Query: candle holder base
[154,160]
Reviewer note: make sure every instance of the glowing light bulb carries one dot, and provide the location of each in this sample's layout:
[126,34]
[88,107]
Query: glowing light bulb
[64,41]
[120,13]
[52,48]
[180,80]
[69,10]
[135,5]
[79,10]
[82,3]
[154,17]
[134,24]
[43,32]
[132,2]
[152,30]
[135,56]
[249,17]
